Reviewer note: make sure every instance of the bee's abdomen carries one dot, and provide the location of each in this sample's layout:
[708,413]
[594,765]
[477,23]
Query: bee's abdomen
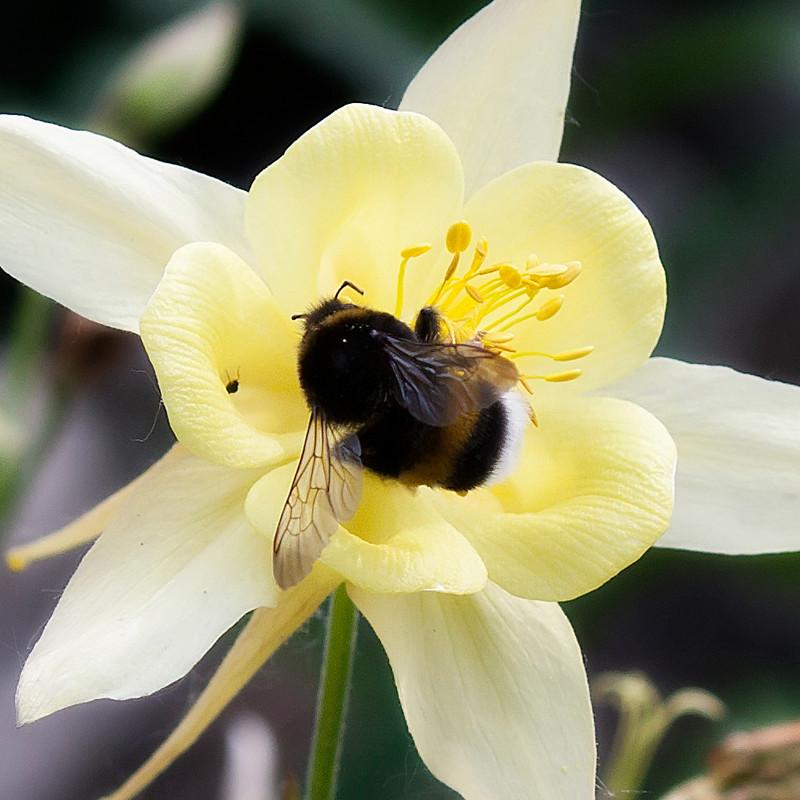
[457,457]
[394,442]
[480,450]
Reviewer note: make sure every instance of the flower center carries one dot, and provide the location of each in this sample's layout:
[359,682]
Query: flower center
[486,301]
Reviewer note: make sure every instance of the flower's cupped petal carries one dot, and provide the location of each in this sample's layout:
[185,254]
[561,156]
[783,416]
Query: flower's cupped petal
[176,567]
[212,321]
[499,85]
[347,198]
[493,690]
[738,479]
[396,542]
[91,223]
[564,214]
[593,490]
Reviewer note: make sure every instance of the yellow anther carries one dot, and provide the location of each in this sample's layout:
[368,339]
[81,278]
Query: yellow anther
[550,307]
[546,271]
[572,355]
[415,250]
[406,254]
[459,235]
[473,293]
[559,377]
[531,262]
[451,269]
[499,338]
[510,276]
[477,260]
[531,287]
[573,269]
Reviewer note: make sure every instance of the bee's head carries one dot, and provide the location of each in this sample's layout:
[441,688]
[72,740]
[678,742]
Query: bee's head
[326,308]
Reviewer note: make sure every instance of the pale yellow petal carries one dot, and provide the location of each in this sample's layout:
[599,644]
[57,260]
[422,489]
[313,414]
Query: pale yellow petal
[396,542]
[346,198]
[499,85]
[267,629]
[592,491]
[212,320]
[173,570]
[91,223]
[738,482]
[493,690]
[563,213]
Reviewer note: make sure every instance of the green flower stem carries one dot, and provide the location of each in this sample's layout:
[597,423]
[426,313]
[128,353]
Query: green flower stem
[29,333]
[337,662]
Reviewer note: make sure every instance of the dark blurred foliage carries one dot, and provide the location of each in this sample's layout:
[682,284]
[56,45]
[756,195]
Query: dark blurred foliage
[693,109]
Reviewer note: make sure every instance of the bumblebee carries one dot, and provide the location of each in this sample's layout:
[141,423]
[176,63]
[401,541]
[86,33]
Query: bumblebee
[398,401]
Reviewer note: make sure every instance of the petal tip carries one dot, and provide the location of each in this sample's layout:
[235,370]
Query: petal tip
[16,561]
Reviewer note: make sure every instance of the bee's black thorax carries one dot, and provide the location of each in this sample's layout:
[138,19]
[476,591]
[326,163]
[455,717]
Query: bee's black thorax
[342,365]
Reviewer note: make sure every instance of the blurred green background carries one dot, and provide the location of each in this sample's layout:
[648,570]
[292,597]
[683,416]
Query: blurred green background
[692,108]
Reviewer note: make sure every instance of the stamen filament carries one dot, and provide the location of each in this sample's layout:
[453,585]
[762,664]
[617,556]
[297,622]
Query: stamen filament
[401,274]
[447,276]
[512,313]
[545,311]
[407,253]
[467,303]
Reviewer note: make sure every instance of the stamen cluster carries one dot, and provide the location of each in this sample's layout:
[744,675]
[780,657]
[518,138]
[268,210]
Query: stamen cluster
[488,300]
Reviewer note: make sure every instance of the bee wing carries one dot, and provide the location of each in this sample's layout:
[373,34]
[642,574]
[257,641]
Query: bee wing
[439,381]
[325,490]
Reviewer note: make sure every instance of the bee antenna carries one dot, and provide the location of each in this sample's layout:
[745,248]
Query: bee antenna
[350,285]
[299,316]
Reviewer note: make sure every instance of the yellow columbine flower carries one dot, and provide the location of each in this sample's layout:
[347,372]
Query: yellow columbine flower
[555,269]
[560,259]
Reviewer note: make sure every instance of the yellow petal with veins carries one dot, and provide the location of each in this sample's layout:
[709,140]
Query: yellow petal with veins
[592,491]
[566,214]
[210,321]
[347,199]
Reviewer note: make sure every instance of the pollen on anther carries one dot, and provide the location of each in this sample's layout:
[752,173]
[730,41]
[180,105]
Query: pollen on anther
[560,377]
[550,307]
[572,355]
[459,235]
[546,272]
[571,271]
[510,276]
[473,293]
